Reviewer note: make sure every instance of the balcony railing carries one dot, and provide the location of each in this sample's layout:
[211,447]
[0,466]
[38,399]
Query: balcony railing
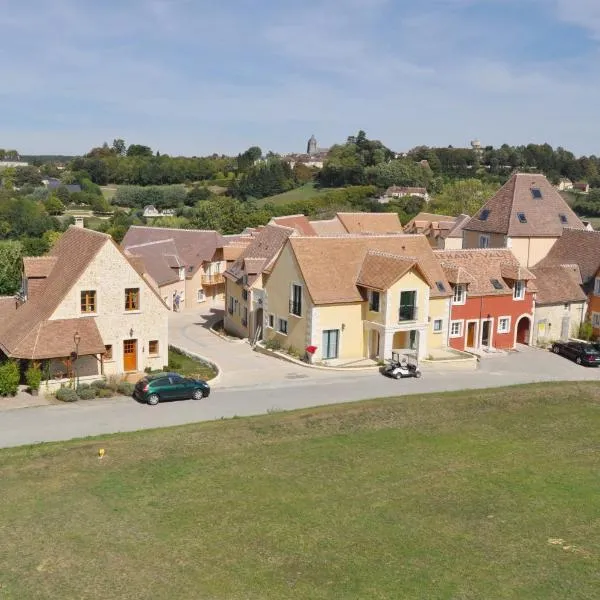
[407,313]
[213,279]
[296,308]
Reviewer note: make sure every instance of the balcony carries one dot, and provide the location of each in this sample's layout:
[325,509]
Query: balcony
[408,313]
[295,308]
[213,279]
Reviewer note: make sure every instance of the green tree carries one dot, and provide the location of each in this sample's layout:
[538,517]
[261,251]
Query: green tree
[11,255]
[119,147]
[54,206]
[463,197]
[139,150]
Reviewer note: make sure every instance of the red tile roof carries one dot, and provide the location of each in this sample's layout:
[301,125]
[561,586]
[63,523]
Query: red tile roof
[558,285]
[299,222]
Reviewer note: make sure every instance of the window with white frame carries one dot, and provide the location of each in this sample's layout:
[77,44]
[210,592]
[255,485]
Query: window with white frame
[282,326]
[484,241]
[201,296]
[456,329]
[597,287]
[503,324]
[438,325]
[519,290]
[460,294]
[596,320]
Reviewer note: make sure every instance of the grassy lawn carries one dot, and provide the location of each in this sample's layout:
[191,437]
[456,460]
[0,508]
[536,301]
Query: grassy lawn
[189,367]
[302,193]
[109,191]
[472,495]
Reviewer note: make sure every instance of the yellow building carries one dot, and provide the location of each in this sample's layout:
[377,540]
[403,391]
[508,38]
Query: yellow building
[354,297]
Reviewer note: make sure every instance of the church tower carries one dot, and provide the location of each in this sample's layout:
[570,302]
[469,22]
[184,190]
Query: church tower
[312,146]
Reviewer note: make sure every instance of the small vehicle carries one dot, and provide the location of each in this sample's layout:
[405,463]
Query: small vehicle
[401,366]
[581,352]
[159,387]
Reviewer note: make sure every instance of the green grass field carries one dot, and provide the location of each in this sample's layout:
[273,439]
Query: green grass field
[109,191]
[487,494]
[302,193]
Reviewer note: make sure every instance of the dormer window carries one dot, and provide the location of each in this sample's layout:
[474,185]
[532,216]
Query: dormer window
[460,294]
[536,193]
[440,286]
[519,290]
[563,218]
[485,213]
[522,218]
[496,283]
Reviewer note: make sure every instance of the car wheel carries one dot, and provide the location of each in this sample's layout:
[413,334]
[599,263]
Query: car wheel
[578,360]
[418,374]
[198,395]
[397,376]
[153,399]
[555,349]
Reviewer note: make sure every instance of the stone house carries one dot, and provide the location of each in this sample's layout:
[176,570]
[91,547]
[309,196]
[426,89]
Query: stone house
[442,231]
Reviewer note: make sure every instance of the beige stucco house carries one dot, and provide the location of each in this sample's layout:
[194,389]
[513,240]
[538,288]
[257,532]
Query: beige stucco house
[86,297]
[442,231]
[357,296]
[527,215]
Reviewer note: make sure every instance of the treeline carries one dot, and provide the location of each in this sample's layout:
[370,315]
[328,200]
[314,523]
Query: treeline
[587,205]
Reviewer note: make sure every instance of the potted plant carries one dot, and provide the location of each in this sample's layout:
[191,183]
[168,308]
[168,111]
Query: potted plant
[33,377]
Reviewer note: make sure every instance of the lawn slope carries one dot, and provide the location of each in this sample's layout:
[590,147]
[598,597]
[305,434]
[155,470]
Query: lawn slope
[478,494]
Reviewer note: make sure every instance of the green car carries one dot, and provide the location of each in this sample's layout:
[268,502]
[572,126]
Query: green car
[159,387]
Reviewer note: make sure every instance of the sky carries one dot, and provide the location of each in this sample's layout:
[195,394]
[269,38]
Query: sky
[193,77]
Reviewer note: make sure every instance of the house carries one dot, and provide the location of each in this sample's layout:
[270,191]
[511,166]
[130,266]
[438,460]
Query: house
[582,249]
[151,212]
[86,310]
[564,185]
[560,303]
[443,232]
[527,215]
[394,192]
[52,184]
[356,296]
[492,299]
[186,265]
[581,187]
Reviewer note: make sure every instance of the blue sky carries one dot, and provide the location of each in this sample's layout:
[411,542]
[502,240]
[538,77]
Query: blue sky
[201,76]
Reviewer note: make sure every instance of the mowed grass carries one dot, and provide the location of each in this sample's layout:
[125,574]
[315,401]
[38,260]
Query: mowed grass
[472,495]
[190,367]
[304,192]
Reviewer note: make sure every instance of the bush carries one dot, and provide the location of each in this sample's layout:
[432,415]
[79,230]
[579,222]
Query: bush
[9,378]
[104,393]
[87,393]
[83,386]
[148,370]
[586,331]
[273,345]
[65,394]
[33,376]
[99,384]
[174,364]
[125,388]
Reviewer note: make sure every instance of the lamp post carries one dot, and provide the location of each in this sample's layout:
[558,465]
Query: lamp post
[77,339]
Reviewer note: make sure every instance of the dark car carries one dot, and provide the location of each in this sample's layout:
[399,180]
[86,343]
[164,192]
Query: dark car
[580,352]
[153,389]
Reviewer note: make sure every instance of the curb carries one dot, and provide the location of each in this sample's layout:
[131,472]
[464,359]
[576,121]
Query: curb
[225,337]
[208,361]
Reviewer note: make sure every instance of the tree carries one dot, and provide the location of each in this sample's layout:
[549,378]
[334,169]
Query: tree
[11,254]
[139,150]
[119,147]
[54,206]
[463,197]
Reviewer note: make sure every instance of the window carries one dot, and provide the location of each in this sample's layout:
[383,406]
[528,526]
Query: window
[563,218]
[460,294]
[201,296]
[108,353]
[373,301]
[536,193]
[440,286]
[497,285]
[595,320]
[245,316]
[271,321]
[88,301]
[597,287]
[408,306]
[230,307]
[153,347]
[282,326]
[245,280]
[296,300]
[437,325]
[485,213]
[503,324]
[519,290]
[456,328]
[244,294]
[132,299]
[522,218]
[484,241]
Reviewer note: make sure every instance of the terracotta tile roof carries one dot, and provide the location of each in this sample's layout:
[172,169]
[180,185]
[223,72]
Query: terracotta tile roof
[38,266]
[299,222]
[159,260]
[481,268]
[370,222]
[459,224]
[76,248]
[328,227]
[234,251]
[526,206]
[437,225]
[576,247]
[380,270]
[558,284]
[194,246]
[8,308]
[331,266]
[265,246]
[253,266]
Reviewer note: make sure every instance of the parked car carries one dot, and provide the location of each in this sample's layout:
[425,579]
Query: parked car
[581,352]
[159,387]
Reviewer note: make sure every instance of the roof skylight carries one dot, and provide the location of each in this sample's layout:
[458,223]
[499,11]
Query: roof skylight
[522,218]
[485,213]
[536,193]
[497,285]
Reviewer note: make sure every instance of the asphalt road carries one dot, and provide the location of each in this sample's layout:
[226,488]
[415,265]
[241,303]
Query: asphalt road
[293,389]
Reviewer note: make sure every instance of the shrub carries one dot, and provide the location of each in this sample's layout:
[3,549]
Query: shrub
[104,393]
[586,331]
[148,370]
[273,345]
[65,394]
[9,378]
[125,388]
[33,376]
[174,364]
[294,352]
[83,386]
[87,393]
[99,384]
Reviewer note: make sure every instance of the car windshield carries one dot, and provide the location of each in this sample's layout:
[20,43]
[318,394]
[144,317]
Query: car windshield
[590,350]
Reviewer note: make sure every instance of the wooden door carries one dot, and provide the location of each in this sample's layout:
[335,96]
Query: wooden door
[130,355]
[471,335]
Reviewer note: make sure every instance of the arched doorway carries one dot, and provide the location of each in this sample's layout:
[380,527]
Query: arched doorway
[523,330]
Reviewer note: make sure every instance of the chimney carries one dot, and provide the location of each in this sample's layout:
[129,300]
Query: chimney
[79,222]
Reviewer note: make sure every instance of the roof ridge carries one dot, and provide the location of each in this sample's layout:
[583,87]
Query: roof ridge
[289,216]
[90,231]
[150,243]
[390,255]
[173,229]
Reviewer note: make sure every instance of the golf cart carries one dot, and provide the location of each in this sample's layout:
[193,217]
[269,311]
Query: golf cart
[402,365]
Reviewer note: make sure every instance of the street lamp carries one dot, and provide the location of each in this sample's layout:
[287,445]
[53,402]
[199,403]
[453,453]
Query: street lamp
[77,339]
